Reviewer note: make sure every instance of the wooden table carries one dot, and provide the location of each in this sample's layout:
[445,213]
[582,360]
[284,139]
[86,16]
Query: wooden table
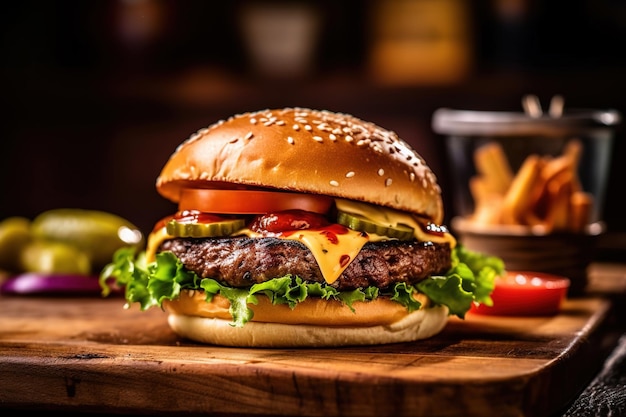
[86,354]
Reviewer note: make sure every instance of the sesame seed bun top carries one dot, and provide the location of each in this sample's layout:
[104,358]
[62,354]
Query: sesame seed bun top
[309,151]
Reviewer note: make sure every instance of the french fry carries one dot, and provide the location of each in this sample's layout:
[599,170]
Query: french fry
[559,192]
[492,164]
[573,150]
[537,197]
[555,167]
[488,204]
[478,189]
[481,190]
[488,214]
[581,204]
[516,200]
[568,161]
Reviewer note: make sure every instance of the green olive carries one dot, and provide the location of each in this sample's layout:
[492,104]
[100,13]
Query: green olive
[14,236]
[97,233]
[54,258]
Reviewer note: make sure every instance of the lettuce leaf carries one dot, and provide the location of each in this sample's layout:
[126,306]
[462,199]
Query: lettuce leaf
[470,279]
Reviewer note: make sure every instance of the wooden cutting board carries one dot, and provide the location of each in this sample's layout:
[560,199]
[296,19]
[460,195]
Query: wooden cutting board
[90,354]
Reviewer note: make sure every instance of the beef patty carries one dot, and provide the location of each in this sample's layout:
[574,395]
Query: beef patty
[243,261]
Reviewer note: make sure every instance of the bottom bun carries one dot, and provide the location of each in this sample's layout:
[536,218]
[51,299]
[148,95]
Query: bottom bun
[417,325]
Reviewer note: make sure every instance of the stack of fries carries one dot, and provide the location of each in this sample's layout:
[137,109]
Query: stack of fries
[545,192]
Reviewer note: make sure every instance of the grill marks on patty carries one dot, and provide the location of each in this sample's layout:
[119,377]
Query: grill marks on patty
[243,261]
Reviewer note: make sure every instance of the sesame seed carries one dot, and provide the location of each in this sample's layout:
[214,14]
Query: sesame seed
[308,127]
[349,138]
[233,140]
[381,172]
[334,183]
[332,137]
[412,176]
[388,182]
[296,127]
[280,123]
[318,139]
[253,120]
[290,140]
[248,136]
[350,174]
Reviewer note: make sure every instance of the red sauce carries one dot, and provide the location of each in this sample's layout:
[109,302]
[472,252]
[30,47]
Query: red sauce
[288,223]
[289,220]
[524,293]
[196,216]
[331,232]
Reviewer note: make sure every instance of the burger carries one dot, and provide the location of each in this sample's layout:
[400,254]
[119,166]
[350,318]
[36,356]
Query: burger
[301,228]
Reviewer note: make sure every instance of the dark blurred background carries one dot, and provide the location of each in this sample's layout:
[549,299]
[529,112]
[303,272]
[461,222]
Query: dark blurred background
[97,94]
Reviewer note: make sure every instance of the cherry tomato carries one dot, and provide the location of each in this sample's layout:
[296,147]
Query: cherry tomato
[288,220]
[523,293]
[251,201]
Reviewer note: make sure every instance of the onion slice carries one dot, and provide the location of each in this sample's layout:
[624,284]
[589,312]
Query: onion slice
[38,283]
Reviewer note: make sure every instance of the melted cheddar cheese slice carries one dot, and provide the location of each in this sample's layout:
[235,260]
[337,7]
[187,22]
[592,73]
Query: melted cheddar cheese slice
[333,255]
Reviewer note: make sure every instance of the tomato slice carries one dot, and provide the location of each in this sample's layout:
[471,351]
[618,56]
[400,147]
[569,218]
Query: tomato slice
[523,293]
[251,201]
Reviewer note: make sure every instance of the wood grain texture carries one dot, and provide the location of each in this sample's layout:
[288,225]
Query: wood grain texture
[91,354]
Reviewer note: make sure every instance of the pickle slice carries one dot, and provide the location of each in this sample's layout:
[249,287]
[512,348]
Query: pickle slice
[215,229]
[356,222]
